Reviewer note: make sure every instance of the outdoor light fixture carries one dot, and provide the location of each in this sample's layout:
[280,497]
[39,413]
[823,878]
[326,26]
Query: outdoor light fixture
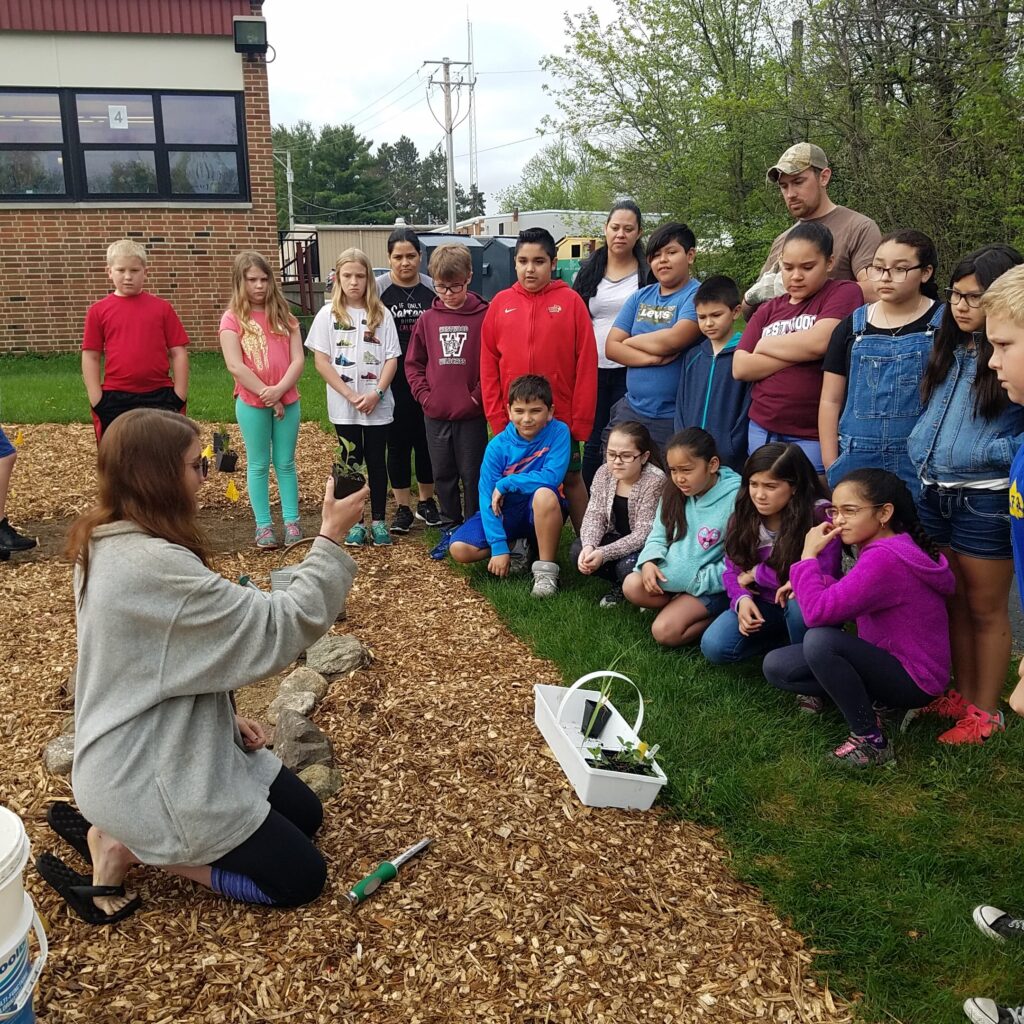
[250,34]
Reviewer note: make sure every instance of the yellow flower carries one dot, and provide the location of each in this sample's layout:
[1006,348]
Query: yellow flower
[641,748]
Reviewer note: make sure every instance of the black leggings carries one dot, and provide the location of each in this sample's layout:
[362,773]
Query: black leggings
[370,444]
[280,856]
[854,673]
[407,434]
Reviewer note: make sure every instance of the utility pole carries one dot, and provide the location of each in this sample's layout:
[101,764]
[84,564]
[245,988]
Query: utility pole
[449,128]
[289,177]
[473,173]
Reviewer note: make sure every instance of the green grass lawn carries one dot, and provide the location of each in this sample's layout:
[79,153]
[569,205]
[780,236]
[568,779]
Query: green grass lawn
[880,870]
[49,389]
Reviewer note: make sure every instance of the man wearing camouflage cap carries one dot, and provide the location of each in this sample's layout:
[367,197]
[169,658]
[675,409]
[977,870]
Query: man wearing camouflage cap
[802,174]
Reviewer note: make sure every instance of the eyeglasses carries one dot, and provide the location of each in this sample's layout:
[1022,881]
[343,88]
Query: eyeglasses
[973,299]
[847,511]
[896,274]
[626,457]
[450,289]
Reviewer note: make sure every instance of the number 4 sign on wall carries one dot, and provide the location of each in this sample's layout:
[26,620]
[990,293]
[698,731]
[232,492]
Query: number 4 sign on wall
[117,116]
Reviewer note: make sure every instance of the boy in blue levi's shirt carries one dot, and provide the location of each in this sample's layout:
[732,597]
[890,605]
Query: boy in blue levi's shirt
[521,488]
[709,396]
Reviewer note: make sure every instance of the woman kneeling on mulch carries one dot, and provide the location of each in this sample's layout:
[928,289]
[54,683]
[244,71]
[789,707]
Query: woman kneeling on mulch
[164,770]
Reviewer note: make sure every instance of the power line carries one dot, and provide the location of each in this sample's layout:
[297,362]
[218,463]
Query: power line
[350,209]
[395,88]
[416,102]
[518,142]
[519,71]
[397,99]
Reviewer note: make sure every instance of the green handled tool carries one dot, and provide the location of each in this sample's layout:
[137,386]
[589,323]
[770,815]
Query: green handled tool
[384,872]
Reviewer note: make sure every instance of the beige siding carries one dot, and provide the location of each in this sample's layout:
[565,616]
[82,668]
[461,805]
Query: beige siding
[335,239]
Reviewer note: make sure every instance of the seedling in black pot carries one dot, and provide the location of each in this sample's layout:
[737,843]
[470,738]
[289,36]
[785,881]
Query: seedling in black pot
[224,458]
[346,475]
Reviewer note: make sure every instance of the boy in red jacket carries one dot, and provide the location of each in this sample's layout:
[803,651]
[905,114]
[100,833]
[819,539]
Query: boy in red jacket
[540,326]
[442,365]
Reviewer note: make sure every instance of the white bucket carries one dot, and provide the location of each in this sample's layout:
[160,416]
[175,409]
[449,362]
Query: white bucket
[18,919]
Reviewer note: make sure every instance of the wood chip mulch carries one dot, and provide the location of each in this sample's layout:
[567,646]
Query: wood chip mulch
[527,908]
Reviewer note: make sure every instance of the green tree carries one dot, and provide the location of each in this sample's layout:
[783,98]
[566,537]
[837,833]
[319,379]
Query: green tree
[564,175]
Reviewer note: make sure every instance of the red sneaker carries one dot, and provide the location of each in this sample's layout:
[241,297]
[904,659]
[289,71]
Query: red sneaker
[975,727]
[950,705]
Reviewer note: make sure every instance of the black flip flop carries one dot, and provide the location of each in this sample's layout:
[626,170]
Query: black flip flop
[71,826]
[77,891]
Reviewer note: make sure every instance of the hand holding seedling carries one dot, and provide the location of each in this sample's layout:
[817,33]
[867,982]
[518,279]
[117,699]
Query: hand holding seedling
[817,539]
[498,565]
[340,515]
[783,594]
[652,578]
[749,615]
[253,736]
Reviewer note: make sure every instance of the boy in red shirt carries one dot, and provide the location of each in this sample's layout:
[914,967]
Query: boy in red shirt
[541,326]
[132,343]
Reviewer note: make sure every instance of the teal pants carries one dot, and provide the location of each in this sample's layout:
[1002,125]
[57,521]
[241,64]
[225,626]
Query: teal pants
[267,440]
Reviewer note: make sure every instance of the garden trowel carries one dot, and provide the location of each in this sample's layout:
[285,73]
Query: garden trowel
[384,872]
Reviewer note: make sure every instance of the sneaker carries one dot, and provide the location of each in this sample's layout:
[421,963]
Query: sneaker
[987,1011]
[427,512]
[997,924]
[11,540]
[402,520]
[521,557]
[950,705]
[612,598]
[860,752]
[975,727]
[265,539]
[440,549]
[545,579]
[356,537]
[810,705]
[292,534]
[380,535]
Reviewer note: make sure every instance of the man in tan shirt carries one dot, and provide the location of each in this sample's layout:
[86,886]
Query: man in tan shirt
[802,175]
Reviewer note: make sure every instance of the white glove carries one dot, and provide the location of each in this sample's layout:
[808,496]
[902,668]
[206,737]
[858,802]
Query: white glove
[767,286]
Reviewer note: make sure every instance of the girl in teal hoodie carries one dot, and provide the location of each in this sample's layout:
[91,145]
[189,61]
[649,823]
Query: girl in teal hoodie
[680,568]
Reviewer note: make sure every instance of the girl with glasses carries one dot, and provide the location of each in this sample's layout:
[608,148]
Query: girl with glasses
[962,448]
[871,391]
[895,594]
[623,500]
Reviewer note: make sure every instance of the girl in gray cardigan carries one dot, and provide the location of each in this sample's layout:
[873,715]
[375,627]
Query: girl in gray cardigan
[164,770]
[623,499]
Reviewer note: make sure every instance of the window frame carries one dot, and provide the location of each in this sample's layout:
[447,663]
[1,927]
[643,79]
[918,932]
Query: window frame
[73,151]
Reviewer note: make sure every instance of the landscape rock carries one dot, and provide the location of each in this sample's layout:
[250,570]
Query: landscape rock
[69,683]
[303,702]
[333,655]
[60,754]
[323,780]
[304,679]
[299,743]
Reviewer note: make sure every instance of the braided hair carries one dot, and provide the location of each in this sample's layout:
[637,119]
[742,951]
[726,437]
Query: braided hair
[880,487]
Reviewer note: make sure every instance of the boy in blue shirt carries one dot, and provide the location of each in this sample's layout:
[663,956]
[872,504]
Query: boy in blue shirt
[708,396]
[521,488]
[655,326]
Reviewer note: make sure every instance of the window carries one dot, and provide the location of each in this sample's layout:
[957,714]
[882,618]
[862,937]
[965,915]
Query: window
[91,145]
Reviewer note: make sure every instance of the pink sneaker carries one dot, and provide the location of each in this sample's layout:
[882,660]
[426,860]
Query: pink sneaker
[975,727]
[949,705]
[292,534]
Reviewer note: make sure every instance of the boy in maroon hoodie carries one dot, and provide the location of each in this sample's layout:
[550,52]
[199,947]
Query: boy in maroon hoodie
[541,326]
[442,365]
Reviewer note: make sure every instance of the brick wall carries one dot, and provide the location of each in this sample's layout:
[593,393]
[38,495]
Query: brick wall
[52,261]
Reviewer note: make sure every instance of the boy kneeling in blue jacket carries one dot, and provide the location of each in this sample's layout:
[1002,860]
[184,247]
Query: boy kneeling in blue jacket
[521,488]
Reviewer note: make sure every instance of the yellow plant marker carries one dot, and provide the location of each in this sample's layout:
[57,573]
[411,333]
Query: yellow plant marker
[208,452]
[19,439]
[232,491]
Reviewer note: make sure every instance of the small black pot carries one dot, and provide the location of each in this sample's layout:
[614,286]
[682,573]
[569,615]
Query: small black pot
[220,443]
[599,723]
[346,481]
[226,461]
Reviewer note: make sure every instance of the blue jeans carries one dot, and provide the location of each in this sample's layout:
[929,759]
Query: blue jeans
[723,643]
[757,436]
[611,386]
[971,522]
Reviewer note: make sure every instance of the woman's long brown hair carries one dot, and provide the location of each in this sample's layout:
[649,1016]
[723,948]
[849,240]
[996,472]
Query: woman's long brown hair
[141,472]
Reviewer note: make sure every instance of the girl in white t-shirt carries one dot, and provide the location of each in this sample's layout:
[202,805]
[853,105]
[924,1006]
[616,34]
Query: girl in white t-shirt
[356,350]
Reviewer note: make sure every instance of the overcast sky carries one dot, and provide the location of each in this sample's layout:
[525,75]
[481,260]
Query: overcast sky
[351,63]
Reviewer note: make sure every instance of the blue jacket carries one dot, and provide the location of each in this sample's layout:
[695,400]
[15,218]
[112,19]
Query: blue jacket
[708,397]
[695,565]
[513,465]
[951,444]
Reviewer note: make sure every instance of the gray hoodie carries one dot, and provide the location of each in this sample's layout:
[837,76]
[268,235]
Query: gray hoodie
[159,762]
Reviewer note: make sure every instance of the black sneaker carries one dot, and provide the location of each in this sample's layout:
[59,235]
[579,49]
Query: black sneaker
[997,924]
[403,520]
[11,540]
[428,512]
[612,598]
[522,556]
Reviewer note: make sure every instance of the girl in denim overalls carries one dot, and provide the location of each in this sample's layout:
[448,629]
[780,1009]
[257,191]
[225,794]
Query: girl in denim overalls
[871,393]
[962,448]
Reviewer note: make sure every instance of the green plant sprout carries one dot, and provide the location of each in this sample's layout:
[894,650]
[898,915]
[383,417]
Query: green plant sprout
[635,758]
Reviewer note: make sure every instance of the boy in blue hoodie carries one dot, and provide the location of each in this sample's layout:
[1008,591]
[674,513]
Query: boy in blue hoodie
[521,488]
[708,397]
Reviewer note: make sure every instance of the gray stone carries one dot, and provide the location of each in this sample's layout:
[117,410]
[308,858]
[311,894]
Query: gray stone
[60,754]
[334,655]
[67,727]
[324,781]
[304,680]
[303,702]
[299,743]
[69,683]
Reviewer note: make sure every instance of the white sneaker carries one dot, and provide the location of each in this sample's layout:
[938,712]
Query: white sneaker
[545,579]
[987,1011]
[997,924]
